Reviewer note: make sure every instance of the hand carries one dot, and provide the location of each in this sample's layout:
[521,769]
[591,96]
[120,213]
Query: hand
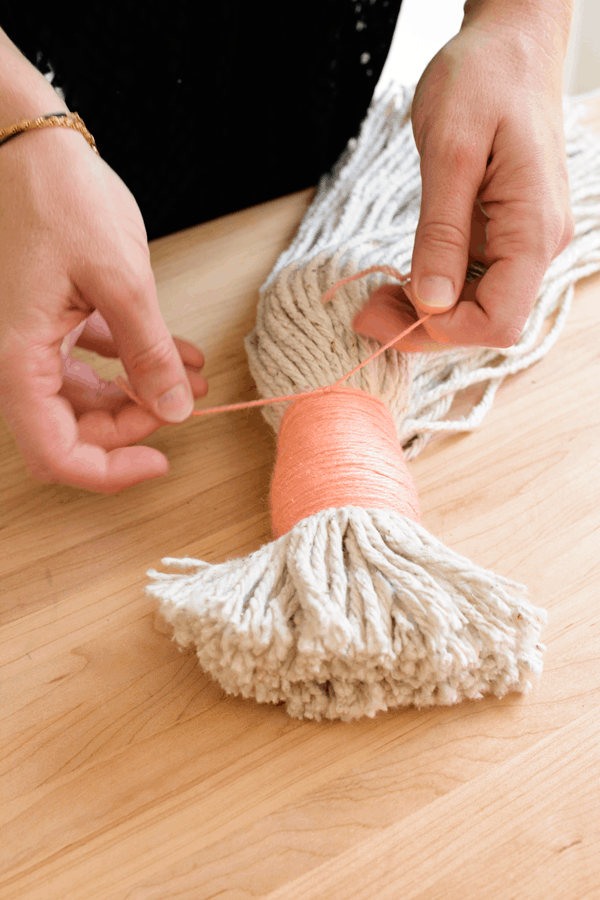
[76,268]
[487,121]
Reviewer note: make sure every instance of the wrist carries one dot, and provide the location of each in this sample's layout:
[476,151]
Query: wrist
[24,92]
[547,22]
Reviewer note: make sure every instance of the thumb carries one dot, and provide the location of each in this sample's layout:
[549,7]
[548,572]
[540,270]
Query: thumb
[143,341]
[449,190]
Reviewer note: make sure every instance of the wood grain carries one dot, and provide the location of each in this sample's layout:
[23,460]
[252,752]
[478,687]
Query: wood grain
[125,772]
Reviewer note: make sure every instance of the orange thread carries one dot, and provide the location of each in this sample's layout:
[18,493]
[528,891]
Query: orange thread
[387,270]
[336,449]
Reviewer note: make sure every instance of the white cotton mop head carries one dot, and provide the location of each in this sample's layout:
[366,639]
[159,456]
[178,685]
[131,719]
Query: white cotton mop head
[351,612]
[357,608]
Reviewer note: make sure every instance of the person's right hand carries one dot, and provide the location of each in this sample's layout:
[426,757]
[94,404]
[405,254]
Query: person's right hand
[75,268]
[487,118]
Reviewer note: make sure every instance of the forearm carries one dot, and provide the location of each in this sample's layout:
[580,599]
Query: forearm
[24,92]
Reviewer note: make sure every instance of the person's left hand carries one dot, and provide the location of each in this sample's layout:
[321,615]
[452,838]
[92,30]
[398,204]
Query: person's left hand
[488,124]
[106,416]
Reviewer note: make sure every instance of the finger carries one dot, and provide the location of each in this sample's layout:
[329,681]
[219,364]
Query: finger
[391,308]
[497,313]
[144,344]
[191,355]
[96,336]
[121,427]
[568,233]
[387,313]
[86,391]
[70,339]
[46,431]
[451,177]
[478,241]
[522,237]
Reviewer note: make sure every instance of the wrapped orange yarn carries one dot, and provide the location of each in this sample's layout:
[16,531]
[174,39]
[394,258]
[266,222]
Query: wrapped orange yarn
[338,448]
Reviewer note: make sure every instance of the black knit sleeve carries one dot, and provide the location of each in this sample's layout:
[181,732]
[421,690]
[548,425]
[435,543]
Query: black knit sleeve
[205,108]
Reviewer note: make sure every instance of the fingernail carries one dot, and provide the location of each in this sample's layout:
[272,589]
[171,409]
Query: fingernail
[435,291]
[176,405]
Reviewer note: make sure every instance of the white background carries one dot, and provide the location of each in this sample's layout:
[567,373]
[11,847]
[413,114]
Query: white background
[424,26]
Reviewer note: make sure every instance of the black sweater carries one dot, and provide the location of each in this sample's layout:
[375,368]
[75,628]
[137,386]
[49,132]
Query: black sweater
[206,108]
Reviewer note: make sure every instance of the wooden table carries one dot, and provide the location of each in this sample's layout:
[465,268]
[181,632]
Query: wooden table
[127,773]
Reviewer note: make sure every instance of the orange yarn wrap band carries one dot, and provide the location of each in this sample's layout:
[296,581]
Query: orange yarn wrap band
[338,448]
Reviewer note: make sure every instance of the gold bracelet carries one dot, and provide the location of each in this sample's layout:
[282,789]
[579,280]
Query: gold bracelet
[68,120]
